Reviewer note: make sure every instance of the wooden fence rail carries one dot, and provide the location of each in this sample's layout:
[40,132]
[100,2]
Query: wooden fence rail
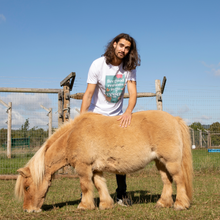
[64,101]
[126,95]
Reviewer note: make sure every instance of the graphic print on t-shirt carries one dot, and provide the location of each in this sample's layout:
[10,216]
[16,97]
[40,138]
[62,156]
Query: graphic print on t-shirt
[114,86]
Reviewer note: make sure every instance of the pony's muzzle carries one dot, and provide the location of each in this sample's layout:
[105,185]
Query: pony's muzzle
[30,211]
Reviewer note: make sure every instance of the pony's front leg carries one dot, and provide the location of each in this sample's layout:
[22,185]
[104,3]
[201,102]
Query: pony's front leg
[85,175]
[106,202]
[166,199]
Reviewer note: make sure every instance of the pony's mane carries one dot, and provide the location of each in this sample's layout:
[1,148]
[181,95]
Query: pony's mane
[36,164]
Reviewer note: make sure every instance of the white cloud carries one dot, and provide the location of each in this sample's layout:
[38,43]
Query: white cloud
[217,72]
[4,117]
[214,70]
[179,112]
[74,113]
[170,111]
[203,119]
[27,106]
[29,102]
[17,119]
[2,18]
[188,121]
[184,109]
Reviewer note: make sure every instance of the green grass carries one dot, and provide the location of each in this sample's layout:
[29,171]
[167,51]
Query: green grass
[144,188]
[202,161]
[10,166]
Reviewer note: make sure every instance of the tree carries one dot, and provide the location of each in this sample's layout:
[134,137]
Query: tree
[215,130]
[3,137]
[25,127]
[215,127]
[197,125]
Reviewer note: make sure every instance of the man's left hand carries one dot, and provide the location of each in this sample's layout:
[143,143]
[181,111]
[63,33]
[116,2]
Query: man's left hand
[125,119]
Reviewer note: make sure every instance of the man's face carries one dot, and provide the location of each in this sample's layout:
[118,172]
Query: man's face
[121,48]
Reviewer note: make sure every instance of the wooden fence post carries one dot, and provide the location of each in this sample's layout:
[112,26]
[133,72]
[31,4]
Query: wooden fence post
[209,139]
[66,102]
[64,106]
[50,119]
[200,137]
[9,111]
[193,134]
[60,108]
[158,95]
[67,85]
[193,138]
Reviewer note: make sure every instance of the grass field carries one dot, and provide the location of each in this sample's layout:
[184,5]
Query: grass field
[144,188]
[10,166]
[202,161]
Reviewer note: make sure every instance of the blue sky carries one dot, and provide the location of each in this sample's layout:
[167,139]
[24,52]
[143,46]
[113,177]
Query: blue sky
[41,42]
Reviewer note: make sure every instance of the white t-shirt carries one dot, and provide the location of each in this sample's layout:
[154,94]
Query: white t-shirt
[110,86]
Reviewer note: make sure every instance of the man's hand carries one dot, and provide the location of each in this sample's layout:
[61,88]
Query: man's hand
[125,119]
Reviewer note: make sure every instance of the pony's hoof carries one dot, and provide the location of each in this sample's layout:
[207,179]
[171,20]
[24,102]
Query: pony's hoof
[179,206]
[106,205]
[30,211]
[83,206]
[164,204]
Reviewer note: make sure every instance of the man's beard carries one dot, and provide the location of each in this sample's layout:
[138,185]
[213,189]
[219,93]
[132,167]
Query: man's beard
[121,58]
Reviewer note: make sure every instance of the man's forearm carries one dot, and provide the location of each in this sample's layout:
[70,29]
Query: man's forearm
[132,90]
[131,103]
[87,98]
[85,104]
[132,96]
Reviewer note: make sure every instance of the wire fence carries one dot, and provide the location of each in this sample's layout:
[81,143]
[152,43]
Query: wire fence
[29,129]
[200,109]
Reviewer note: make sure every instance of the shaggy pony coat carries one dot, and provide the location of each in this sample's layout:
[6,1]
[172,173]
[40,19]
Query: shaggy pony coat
[94,144]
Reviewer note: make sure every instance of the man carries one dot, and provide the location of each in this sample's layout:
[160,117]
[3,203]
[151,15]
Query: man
[107,78]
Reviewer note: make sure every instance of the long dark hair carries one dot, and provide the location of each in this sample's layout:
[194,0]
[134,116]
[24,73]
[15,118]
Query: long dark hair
[131,60]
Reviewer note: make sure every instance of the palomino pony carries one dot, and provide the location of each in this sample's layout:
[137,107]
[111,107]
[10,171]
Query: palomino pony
[94,144]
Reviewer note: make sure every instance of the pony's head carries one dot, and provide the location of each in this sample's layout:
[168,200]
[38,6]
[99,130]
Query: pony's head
[34,178]
[32,193]
[33,183]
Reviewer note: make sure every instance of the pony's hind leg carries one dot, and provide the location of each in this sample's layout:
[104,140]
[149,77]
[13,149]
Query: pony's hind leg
[182,201]
[106,202]
[166,199]
[85,175]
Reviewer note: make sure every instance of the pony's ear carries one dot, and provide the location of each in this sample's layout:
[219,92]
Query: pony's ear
[25,172]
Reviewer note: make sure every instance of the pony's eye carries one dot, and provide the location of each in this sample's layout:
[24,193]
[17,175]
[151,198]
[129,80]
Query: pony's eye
[26,188]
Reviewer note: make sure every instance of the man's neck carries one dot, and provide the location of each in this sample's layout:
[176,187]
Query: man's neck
[116,61]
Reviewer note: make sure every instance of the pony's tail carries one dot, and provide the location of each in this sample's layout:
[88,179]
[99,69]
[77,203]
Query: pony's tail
[187,165]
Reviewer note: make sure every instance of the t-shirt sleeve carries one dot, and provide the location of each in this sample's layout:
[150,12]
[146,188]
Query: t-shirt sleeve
[132,75]
[93,74]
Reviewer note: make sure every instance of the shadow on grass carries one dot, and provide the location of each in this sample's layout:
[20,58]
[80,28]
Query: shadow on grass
[145,197]
[137,197]
[60,205]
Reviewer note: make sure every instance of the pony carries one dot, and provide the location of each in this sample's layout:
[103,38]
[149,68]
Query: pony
[93,144]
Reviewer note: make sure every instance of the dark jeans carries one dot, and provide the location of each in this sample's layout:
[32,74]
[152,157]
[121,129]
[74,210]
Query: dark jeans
[122,187]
